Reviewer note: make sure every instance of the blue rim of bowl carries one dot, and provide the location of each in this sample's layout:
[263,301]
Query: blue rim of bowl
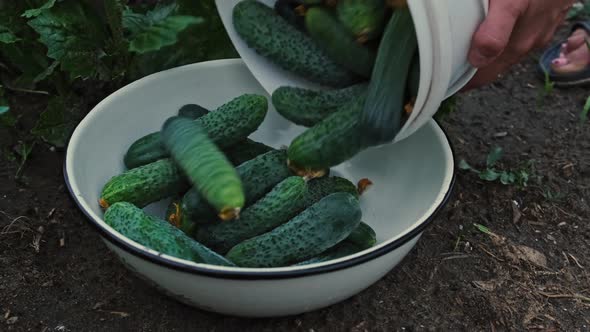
[269,275]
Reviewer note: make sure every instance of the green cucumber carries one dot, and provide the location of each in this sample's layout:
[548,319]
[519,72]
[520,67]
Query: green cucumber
[363,236]
[381,118]
[281,204]
[145,184]
[414,78]
[205,165]
[274,38]
[175,216]
[246,150]
[308,234]
[192,111]
[340,250]
[330,142]
[292,12]
[322,187]
[338,43]
[258,176]
[229,124]
[159,235]
[307,107]
[365,19]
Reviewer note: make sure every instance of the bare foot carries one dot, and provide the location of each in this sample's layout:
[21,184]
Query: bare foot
[574,55]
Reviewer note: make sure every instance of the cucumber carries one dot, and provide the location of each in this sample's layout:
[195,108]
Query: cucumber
[363,236]
[340,250]
[144,185]
[258,176]
[229,124]
[246,150]
[207,168]
[274,38]
[381,118]
[157,234]
[308,234]
[281,204]
[192,111]
[414,78]
[322,187]
[332,141]
[365,19]
[307,107]
[293,11]
[337,42]
[176,217]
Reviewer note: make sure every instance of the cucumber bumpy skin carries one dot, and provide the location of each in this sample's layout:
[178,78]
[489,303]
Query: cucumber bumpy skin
[281,204]
[340,250]
[338,43]
[322,187]
[192,111]
[228,125]
[310,233]
[307,107]
[144,185]
[246,150]
[274,38]
[157,234]
[258,176]
[205,165]
[332,141]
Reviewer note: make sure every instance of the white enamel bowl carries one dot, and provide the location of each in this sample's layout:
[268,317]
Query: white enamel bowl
[412,181]
[443,28]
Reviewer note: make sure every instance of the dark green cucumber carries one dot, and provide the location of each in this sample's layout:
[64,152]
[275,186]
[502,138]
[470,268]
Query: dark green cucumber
[258,176]
[175,216]
[246,150]
[413,78]
[192,111]
[292,12]
[229,124]
[332,141]
[365,19]
[281,204]
[338,43]
[381,118]
[363,236]
[205,165]
[307,107]
[274,38]
[340,250]
[310,233]
[159,235]
[322,187]
[145,184]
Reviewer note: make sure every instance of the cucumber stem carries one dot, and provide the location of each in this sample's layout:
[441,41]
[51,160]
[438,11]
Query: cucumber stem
[227,214]
[306,173]
[103,204]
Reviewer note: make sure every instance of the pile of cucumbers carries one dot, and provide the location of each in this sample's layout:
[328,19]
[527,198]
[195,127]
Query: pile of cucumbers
[363,51]
[234,202]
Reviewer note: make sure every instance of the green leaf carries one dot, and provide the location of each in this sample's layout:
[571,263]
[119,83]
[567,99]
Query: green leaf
[4,109]
[584,114]
[7,36]
[38,11]
[489,175]
[507,178]
[163,33]
[482,228]
[72,38]
[55,125]
[494,156]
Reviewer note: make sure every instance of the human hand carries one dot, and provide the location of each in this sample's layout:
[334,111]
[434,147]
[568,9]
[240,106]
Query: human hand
[512,29]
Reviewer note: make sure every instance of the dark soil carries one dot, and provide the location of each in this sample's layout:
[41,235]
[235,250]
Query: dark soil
[532,272]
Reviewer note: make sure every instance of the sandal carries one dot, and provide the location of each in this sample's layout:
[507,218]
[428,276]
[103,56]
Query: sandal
[563,79]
